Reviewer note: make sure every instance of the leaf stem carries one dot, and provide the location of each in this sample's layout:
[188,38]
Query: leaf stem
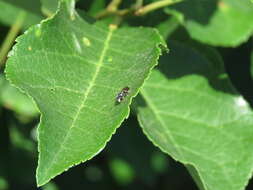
[110,9]
[138,4]
[106,13]
[113,5]
[156,5]
[11,36]
[136,10]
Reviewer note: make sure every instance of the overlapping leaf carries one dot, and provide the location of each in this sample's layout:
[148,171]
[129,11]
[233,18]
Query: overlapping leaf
[49,6]
[217,22]
[193,113]
[13,99]
[74,70]
[11,12]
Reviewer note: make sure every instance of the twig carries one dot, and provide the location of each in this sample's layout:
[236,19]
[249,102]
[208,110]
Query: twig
[135,10]
[106,13]
[11,36]
[156,5]
[138,4]
[110,9]
[114,4]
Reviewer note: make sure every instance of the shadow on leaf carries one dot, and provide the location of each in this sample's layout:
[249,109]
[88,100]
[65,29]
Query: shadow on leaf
[200,60]
[199,11]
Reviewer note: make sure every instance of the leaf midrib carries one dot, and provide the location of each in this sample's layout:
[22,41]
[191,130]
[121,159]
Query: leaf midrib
[85,96]
[153,108]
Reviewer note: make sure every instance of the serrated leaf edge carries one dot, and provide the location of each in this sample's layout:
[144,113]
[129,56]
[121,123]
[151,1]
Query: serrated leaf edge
[31,29]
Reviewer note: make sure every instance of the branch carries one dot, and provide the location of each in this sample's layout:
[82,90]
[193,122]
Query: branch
[112,8]
[156,5]
[11,36]
[113,5]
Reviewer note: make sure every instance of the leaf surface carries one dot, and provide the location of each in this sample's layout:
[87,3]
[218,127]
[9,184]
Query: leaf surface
[11,12]
[74,71]
[49,7]
[13,99]
[217,22]
[192,113]
[30,6]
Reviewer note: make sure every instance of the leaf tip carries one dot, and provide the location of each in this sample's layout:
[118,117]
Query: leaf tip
[42,177]
[40,181]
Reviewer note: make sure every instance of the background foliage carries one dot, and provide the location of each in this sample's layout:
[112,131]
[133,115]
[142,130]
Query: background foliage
[193,107]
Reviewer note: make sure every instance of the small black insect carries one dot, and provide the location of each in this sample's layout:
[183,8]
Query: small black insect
[123,93]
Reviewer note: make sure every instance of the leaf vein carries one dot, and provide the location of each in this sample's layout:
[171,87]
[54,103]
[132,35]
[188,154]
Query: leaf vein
[155,111]
[85,95]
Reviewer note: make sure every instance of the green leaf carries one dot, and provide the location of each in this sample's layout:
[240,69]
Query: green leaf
[2,81]
[74,70]
[29,5]
[96,6]
[166,31]
[191,112]
[218,22]
[49,7]
[13,99]
[10,13]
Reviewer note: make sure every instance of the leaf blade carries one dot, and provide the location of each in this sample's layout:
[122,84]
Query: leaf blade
[75,78]
[201,122]
[223,23]
[10,13]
